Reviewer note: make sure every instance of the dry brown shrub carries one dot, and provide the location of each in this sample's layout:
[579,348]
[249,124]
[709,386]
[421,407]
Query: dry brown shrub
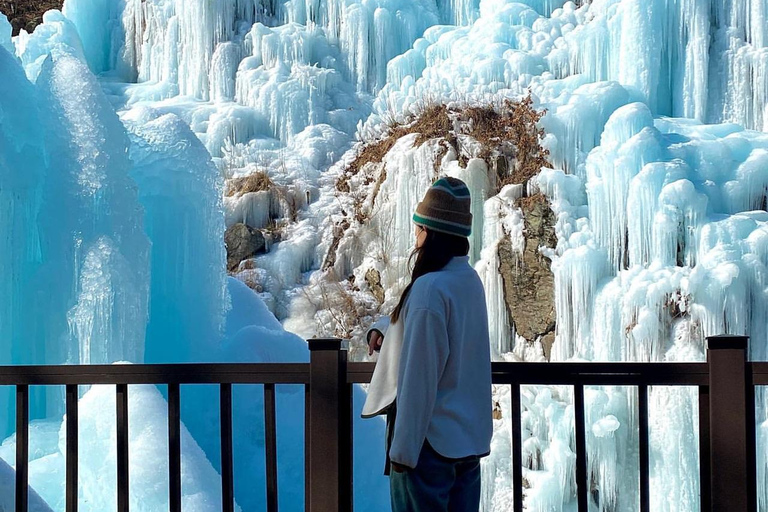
[255,182]
[525,134]
[487,126]
[513,125]
[432,122]
[337,300]
[517,124]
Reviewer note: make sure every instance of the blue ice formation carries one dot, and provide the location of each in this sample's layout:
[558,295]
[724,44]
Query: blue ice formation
[111,224]
[113,237]
[77,252]
[180,191]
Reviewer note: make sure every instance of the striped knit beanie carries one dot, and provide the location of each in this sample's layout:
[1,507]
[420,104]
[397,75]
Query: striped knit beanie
[446,208]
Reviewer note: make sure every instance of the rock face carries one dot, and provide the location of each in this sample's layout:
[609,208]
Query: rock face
[242,242]
[373,278]
[27,14]
[529,285]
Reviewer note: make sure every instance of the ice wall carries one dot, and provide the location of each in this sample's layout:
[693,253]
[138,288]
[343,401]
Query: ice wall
[180,42]
[77,256]
[181,192]
[92,300]
[21,147]
[688,58]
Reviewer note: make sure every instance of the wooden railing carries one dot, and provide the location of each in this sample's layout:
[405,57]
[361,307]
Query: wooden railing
[726,385]
[726,410]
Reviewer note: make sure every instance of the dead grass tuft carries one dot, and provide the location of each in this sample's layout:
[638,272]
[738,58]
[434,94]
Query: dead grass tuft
[508,134]
[516,124]
[432,122]
[525,134]
[255,182]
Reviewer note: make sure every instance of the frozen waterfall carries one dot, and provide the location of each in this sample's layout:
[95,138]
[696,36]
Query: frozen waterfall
[123,123]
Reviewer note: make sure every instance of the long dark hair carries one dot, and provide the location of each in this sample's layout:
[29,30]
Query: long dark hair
[435,253]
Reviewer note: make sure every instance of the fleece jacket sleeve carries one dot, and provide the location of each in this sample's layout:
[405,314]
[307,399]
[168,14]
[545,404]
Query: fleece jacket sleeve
[423,359]
[381,325]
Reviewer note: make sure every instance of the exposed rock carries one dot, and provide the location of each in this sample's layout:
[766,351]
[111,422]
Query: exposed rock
[373,278]
[249,264]
[27,14]
[242,242]
[529,285]
[338,233]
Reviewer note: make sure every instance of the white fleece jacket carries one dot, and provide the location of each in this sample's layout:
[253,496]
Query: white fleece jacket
[444,371]
[383,388]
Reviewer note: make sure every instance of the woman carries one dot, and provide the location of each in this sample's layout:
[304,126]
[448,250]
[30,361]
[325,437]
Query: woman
[433,377]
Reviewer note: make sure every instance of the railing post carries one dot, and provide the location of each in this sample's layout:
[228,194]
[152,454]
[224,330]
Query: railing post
[329,446]
[728,413]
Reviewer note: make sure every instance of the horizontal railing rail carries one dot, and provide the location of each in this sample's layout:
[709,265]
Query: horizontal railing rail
[759,372]
[182,373]
[579,375]
[553,374]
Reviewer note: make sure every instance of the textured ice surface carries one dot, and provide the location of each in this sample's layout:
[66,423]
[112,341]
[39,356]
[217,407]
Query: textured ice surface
[181,192]
[21,147]
[685,58]
[84,273]
[95,268]
[5,34]
[56,33]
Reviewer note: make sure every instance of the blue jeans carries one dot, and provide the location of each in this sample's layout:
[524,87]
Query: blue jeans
[437,484]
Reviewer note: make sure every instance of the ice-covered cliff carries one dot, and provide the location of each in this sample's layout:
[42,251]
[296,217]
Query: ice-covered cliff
[645,229]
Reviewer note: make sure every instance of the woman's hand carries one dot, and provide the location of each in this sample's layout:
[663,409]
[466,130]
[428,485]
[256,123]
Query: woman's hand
[374,342]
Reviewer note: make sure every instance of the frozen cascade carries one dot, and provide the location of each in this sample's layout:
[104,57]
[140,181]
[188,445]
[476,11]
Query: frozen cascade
[623,151]
[175,41]
[406,181]
[102,244]
[21,146]
[181,192]
[57,33]
[86,274]
[670,51]
[661,224]
[86,266]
